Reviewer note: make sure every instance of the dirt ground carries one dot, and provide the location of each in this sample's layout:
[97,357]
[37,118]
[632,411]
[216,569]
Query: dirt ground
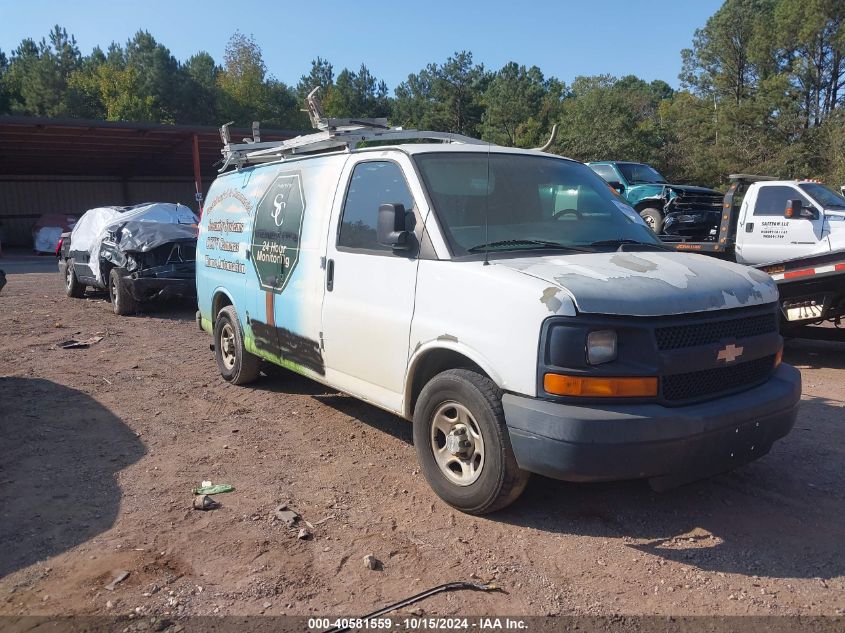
[100,448]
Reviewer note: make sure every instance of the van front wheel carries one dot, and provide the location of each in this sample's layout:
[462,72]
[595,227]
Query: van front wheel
[236,365]
[463,445]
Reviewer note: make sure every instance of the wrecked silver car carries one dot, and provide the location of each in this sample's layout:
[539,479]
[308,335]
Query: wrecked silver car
[139,254]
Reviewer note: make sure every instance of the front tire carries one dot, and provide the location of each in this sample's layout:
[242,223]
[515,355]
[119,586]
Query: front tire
[463,445]
[122,301]
[236,365]
[73,288]
[654,218]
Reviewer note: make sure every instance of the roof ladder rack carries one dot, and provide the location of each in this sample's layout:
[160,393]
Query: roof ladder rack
[333,134]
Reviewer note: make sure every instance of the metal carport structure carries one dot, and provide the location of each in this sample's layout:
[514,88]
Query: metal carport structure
[70,165]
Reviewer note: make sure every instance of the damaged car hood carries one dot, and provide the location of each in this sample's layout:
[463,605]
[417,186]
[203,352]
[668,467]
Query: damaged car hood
[649,283]
[692,189]
[140,237]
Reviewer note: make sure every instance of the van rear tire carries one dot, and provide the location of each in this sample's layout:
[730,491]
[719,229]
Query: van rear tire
[236,365]
[468,406]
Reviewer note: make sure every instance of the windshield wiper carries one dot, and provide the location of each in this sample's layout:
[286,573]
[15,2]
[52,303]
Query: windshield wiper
[621,243]
[531,244]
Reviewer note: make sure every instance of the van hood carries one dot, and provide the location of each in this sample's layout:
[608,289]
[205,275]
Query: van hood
[648,283]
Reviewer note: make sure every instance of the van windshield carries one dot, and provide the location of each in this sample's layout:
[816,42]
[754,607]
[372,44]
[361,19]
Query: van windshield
[498,202]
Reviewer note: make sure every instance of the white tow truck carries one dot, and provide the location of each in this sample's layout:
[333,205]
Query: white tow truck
[792,229]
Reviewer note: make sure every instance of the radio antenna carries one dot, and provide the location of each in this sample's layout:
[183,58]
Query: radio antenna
[487,212]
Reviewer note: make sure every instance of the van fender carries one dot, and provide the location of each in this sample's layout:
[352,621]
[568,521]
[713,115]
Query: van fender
[220,297]
[442,342]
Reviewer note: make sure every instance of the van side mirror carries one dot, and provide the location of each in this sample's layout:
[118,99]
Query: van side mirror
[615,184]
[391,227]
[797,209]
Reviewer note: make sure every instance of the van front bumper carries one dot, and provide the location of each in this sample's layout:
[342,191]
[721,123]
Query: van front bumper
[667,445]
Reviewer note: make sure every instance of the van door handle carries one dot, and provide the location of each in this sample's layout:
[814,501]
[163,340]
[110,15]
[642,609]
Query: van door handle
[330,275]
[749,227]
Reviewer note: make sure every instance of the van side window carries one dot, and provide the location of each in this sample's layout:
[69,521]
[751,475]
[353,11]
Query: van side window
[373,184]
[772,200]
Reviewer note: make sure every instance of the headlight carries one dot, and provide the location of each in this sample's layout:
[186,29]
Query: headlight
[601,347]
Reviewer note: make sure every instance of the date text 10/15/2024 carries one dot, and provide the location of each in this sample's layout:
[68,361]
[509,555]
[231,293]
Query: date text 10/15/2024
[419,623]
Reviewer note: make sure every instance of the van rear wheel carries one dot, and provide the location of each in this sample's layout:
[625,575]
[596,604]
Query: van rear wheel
[463,445]
[236,365]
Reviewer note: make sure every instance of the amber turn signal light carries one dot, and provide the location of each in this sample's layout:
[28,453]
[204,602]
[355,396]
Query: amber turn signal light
[779,357]
[562,385]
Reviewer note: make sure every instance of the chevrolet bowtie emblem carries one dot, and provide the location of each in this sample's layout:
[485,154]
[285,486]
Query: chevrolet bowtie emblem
[729,354]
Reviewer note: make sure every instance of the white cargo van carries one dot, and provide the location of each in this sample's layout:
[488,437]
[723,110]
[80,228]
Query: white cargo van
[505,300]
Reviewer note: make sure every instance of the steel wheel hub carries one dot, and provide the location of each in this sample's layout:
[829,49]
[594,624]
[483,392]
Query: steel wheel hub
[227,345]
[457,444]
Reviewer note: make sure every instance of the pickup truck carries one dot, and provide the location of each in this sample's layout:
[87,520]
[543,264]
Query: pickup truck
[505,301]
[682,210]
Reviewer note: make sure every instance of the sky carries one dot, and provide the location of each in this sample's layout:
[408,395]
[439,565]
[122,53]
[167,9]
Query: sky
[564,38]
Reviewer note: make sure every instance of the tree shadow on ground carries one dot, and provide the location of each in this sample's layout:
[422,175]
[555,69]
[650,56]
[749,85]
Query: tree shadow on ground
[60,451]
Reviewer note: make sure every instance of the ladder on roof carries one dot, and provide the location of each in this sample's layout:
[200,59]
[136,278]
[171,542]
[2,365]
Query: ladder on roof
[333,134]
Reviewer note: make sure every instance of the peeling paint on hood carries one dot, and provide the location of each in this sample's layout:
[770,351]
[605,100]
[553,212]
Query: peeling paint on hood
[649,283]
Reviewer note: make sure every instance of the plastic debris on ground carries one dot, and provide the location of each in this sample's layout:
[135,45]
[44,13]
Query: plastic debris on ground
[74,344]
[205,502]
[213,490]
[287,515]
[119,577]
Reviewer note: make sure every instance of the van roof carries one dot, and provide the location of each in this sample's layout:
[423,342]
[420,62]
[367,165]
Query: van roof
[351,135]
[480,147]
[410,149]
